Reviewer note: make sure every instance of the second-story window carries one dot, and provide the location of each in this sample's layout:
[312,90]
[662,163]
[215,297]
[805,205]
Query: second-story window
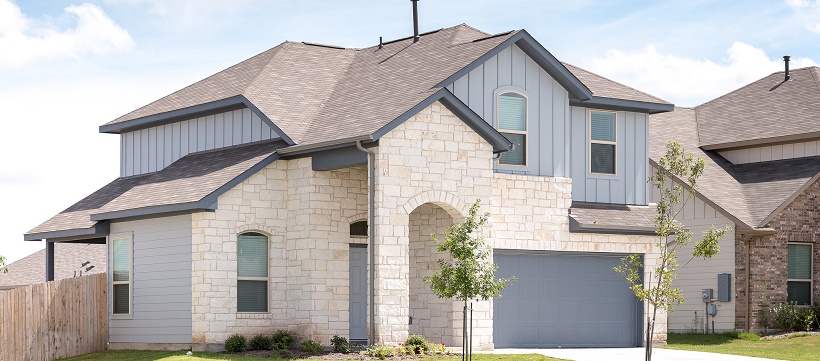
[602,142]
[512,123]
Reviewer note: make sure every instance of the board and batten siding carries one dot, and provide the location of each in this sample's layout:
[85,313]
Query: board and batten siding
[161,282]
[547,108]
[772,152]
[628,185]
[696,274]
[558,140]
[152,149]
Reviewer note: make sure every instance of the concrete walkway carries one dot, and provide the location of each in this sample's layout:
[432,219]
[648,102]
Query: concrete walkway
[626,354]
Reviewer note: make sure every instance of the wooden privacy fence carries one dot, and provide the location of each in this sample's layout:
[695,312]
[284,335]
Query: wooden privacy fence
[55,319]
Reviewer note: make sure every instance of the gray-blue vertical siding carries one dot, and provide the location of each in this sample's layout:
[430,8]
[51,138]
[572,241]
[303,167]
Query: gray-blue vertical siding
[161,282]
[628,185]
[547,108]
[558,139]
[152,149]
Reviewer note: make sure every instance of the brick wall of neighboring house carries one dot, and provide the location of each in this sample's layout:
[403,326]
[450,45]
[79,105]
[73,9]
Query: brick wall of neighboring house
[768,256]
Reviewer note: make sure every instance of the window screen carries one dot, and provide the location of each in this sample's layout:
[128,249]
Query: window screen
[799,283]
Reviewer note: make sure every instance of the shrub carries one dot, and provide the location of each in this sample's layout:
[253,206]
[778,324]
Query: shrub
[419,344]
[261,342]
[380,351]
[816,308]
[788,317]
[312,347]
[236,343]
[340,344]
[750,336]
[282,339]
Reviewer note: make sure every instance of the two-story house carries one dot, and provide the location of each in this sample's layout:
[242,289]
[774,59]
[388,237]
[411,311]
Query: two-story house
[762,149]
[298,190]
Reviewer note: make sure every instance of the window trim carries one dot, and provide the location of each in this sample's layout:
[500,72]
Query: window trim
[809,280]
[130,238]
[590,141]
[525,133]
[266,279]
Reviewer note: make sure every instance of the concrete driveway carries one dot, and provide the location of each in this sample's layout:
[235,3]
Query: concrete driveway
[626,354]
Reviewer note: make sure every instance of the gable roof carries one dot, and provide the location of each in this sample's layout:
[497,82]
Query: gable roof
[315,94]
[746,193]
[765,111]
[192,182]
[68,260]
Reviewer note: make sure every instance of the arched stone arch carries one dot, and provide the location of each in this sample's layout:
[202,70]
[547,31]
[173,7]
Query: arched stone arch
[358,217]
[450,202]
[255,228]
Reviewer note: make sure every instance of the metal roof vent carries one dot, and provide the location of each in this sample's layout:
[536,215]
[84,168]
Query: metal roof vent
[415,20]
[786,60]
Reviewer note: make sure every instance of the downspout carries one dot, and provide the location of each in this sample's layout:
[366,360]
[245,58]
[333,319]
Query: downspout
[371,230]
[748,291]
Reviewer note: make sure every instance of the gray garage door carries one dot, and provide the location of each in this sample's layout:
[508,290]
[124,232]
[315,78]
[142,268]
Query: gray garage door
[564,299]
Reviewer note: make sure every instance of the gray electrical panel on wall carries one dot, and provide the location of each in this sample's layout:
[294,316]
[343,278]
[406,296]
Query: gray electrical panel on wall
[724,287]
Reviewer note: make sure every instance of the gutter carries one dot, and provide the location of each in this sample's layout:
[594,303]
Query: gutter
[332,144]
[371,230]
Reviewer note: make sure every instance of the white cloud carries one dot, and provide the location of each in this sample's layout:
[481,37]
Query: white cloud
[808,11]
[687,81]
[23,41]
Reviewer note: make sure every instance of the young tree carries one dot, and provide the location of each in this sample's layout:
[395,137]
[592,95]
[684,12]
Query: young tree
[3,268]
[674,168]
[468,276]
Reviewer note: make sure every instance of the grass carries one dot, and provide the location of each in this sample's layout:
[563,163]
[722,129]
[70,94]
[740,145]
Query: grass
[181,356]
[804,348]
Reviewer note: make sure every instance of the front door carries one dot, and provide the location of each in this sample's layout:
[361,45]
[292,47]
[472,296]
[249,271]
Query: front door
[358,293]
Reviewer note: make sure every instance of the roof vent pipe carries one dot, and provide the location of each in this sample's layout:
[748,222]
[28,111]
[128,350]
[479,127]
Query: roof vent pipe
[381,44]
[415,20]
[786,60]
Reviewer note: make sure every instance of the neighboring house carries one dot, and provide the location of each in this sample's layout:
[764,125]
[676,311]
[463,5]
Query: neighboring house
[71,260]
[762,151]
[248,201]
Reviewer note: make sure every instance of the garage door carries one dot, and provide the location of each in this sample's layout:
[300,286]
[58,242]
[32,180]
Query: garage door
[564,299]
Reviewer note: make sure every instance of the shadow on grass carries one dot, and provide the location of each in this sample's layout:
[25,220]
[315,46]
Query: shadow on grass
[700,339]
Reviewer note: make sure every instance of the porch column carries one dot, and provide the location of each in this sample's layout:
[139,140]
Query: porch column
[49,261]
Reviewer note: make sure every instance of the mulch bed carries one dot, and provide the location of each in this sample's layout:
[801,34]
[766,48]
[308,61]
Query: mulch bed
[299,354]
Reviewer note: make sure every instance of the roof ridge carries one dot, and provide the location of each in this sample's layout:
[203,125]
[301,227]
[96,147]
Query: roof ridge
[813,77]
[474,28]
[264,71]
[614,81]
[489,36]
[312,117]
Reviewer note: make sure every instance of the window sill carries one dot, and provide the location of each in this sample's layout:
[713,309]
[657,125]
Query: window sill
[253,315]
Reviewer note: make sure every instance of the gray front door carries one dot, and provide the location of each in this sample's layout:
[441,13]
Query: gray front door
[564,299]
[358,292]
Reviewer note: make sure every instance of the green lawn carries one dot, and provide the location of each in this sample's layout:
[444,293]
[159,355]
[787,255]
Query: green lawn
[181,356]
[805,348]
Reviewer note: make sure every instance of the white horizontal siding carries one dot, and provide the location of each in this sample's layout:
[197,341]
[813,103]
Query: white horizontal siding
[161,300]
[697,274]
[772,152]
[152,149]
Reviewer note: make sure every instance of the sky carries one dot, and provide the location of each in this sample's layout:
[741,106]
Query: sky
[67,67]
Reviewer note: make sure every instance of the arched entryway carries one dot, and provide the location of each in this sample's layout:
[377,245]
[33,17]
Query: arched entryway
[430,316]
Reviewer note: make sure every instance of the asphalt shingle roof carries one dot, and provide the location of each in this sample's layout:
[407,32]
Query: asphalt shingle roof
[749,192]
[622,215]
[606,88]
[767,108]
[189,179]
[68,260]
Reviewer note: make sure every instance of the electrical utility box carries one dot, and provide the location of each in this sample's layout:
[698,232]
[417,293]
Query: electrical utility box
[706,295]
[724,287]
[711,310]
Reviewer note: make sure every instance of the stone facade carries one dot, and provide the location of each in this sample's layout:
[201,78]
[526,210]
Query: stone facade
[429,170]
[768,256]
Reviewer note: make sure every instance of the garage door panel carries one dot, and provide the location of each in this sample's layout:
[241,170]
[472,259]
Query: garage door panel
[564,299]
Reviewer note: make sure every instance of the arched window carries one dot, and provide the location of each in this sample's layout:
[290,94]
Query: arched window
[252,272]
[358,229]
[512,123]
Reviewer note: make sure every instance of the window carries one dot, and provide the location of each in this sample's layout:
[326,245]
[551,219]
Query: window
[512,123]
[252,273]
[358,229]
[121,266]
[799,283]
[602,142]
